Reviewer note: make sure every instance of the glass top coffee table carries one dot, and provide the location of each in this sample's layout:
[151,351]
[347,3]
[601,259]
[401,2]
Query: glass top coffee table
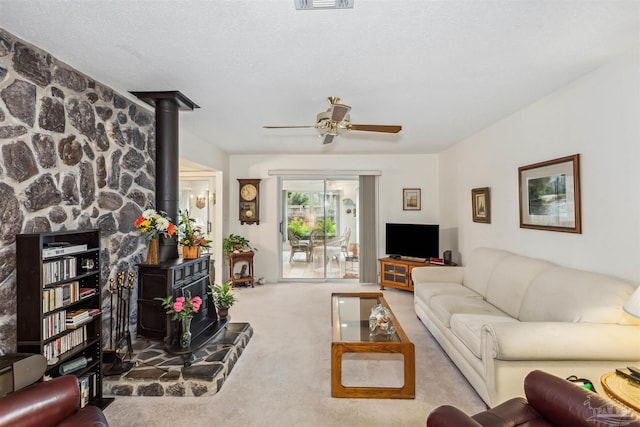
[350,321]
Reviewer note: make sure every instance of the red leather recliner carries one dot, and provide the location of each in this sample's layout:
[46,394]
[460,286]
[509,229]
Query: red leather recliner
[51,403]
[551,401]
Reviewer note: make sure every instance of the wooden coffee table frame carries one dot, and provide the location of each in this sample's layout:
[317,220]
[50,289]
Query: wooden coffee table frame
[338,348]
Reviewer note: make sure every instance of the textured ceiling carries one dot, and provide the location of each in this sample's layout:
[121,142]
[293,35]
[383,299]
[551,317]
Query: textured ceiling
[442,69]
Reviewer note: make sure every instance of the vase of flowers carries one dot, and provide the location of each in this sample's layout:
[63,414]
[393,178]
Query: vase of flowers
[185,337]
[191,236]
[182,309]
[152,225]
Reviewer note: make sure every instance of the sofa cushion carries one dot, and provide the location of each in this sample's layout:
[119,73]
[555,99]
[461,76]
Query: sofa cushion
[562,294]
[479,268]
[510,279]
[444,306]
[426,291]
[467,328]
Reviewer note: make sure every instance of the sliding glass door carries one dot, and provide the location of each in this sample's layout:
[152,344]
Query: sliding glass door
[320,228]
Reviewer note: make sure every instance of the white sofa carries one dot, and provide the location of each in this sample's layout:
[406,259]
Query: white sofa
[503,315]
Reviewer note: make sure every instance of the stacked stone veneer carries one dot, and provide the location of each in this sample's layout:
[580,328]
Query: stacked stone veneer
[74,154]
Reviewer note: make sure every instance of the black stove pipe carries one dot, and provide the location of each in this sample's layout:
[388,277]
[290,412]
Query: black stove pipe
[167,155]
[167,104]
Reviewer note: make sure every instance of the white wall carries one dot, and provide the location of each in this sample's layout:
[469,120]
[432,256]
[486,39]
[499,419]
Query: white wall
[398,172]
[205,154]
[597,116]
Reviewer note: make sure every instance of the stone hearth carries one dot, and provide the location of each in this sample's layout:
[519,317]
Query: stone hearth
[158,373]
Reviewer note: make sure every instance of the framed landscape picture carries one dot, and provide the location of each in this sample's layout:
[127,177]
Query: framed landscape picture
[481,205]
[550,195]
[411,199]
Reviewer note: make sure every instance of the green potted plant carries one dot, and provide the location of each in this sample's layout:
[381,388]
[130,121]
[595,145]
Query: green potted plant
[235,242]
[222,297]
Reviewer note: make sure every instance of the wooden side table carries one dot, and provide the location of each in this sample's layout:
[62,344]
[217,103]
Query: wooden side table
[621,390]
[246,273]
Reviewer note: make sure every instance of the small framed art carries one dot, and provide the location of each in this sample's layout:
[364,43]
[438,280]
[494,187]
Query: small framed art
[550,195]
[481,205]
[411,199]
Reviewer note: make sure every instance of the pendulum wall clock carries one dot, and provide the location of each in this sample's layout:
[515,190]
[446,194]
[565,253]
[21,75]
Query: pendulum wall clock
[249,201]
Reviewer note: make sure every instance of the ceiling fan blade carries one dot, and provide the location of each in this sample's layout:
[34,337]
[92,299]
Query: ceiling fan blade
[376,128]
[328,139]
[286,127]
[339,111]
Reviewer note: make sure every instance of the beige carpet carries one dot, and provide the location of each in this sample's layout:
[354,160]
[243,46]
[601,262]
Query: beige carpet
[283,377]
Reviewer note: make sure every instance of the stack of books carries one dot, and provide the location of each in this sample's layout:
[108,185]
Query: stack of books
[77,318]
[87,292]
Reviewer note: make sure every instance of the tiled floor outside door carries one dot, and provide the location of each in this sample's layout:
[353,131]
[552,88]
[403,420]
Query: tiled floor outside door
[338,267]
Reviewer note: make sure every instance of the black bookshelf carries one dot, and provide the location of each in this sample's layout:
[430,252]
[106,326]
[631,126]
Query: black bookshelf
[58,273]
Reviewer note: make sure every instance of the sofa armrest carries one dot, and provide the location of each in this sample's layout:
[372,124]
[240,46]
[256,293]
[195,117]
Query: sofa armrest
[560,341]
[41,404]
[89,416]
[447,416]
[437,274]
[567,404]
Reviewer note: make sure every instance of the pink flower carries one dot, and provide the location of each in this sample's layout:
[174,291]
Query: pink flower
[180,300]
[177,306]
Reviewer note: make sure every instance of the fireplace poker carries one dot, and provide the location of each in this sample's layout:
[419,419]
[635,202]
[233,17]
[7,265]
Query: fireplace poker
[119,309]
[128,331]
[111,291]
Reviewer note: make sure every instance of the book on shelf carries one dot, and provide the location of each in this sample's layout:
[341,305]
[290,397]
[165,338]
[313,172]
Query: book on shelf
[80,317]
[84,382]
[59,269]
[60,296]
[87,292]
[88,387]
[53,324]
[54,251]
[54,349]
[437,261]
[77,315]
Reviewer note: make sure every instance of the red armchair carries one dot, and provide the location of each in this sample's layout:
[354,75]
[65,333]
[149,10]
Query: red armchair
[551,401]
[51,403]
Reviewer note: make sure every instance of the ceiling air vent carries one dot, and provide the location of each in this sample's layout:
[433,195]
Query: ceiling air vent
[323,4]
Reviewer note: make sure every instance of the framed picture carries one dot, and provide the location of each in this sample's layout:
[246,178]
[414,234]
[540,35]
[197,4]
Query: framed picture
[550,195]
[481,205]
[411,199]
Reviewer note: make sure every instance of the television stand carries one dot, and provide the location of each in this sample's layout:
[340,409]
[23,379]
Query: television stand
[396,273]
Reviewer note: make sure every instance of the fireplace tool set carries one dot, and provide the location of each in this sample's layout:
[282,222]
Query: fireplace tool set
[120,345]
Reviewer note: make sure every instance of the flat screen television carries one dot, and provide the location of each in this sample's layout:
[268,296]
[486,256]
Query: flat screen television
[413,240]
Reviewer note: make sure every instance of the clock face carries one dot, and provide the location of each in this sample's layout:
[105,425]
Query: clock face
[248,192]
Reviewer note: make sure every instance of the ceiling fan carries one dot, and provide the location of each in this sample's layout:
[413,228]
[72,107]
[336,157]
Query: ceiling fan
[336,120]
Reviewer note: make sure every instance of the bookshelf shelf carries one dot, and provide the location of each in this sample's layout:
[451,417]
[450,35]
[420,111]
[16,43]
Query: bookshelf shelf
[58,273]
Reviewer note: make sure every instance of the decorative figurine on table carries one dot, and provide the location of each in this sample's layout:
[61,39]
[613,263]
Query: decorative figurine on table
[381,321]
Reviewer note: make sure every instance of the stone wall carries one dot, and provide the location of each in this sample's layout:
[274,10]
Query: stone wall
[74,154]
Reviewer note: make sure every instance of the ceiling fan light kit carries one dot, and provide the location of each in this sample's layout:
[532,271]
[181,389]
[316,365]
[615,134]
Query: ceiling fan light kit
[323,4]
[336,120]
